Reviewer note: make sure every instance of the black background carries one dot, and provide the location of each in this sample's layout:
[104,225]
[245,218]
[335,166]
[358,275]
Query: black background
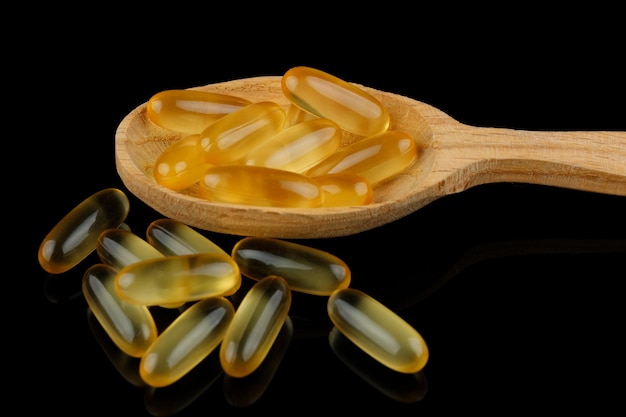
[516,288]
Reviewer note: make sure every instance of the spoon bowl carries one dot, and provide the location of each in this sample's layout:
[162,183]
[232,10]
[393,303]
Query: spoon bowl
[452,157]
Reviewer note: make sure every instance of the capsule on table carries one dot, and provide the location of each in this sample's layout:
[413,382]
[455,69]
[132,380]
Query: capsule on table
[330,97]
[377,330]
[119,248]
[131,327]
[306,269]
[171,237]
[259,186]
[230,138]
[376,158]
[189,339]
[181,164]
[345,189]
[74,237]
[255,326]
[178,279]
[190,111]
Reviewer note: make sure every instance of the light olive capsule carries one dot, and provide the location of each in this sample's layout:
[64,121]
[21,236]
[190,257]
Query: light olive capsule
[172,237]
[377,330]
[305,269]
[119,248]
[74,237]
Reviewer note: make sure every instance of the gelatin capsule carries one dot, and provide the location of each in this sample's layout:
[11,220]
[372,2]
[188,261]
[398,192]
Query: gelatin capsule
[377,330]
[74,237]
[345,189]
[189,339]
[181,164]
[190,111]
[178,279]
[255,326]
[171,237]
[131,327]
[330,97]
[299,147]
[119,248]
[305,269]
[233,136]
[376,158]
[259,186]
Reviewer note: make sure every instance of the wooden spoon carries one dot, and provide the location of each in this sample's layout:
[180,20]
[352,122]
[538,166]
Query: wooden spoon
[452,158]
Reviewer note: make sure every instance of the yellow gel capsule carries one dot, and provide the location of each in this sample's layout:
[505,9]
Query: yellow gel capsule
[119,248]
[181,164]
[190,111]
[255,326]
[330,97]
[305,269]
[189,339]
[74,237]
[230,138]
[131,327]
[344,189]
[171,237]
[178,279]
[376,158]
[299,147]
[377,330]
[259,186]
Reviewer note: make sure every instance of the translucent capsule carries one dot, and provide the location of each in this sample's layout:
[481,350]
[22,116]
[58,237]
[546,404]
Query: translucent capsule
[190,111]
[376,158]
[131,327]
[259,186]
[255,326]
[74,237]
[233,136]
[171,237]
[178,279]
[189,339]
[299,147]
[377,330]
[119,248]
[345,189]
[327,96]
[305,269]
[181,164]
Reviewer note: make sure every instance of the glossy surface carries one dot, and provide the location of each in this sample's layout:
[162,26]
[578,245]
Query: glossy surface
[181,164]
[189,339]
[178,279]
[328,96]
[345,189]
[305,268]
[171,237]
[119,248]
[131,327]
[256,324]
[74,237]
[377,330]
[190,111]
[259,186]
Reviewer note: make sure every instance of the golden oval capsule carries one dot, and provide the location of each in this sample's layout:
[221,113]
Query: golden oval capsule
[305,269]
[190,111]
[330,97]
[181,164]
[131,327]
[255,326]
[74,237]
[189,339]
[299,147]
[377,330]
[119,248]
[171,237]
[345,189]
[376,158]
[178,279]
[259,186]
[229,139]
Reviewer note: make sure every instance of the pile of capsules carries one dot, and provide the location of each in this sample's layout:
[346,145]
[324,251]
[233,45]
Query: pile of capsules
[177,266]
[244,152]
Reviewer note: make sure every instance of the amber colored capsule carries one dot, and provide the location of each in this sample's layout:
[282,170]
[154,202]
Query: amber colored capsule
[255,326]
[131,327]
[330,97]
[171,237]
[230,138]
[119,248]
[181,164]
[190,111]
[305,269]
[377,330]
[376,158]
[178,279]
[189,339]
[259,186]
[345,189]
[74,237]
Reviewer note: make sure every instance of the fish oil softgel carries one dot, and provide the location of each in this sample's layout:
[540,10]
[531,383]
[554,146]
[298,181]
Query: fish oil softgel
[181,164]
[172,237]
[345,189]
[119,248]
